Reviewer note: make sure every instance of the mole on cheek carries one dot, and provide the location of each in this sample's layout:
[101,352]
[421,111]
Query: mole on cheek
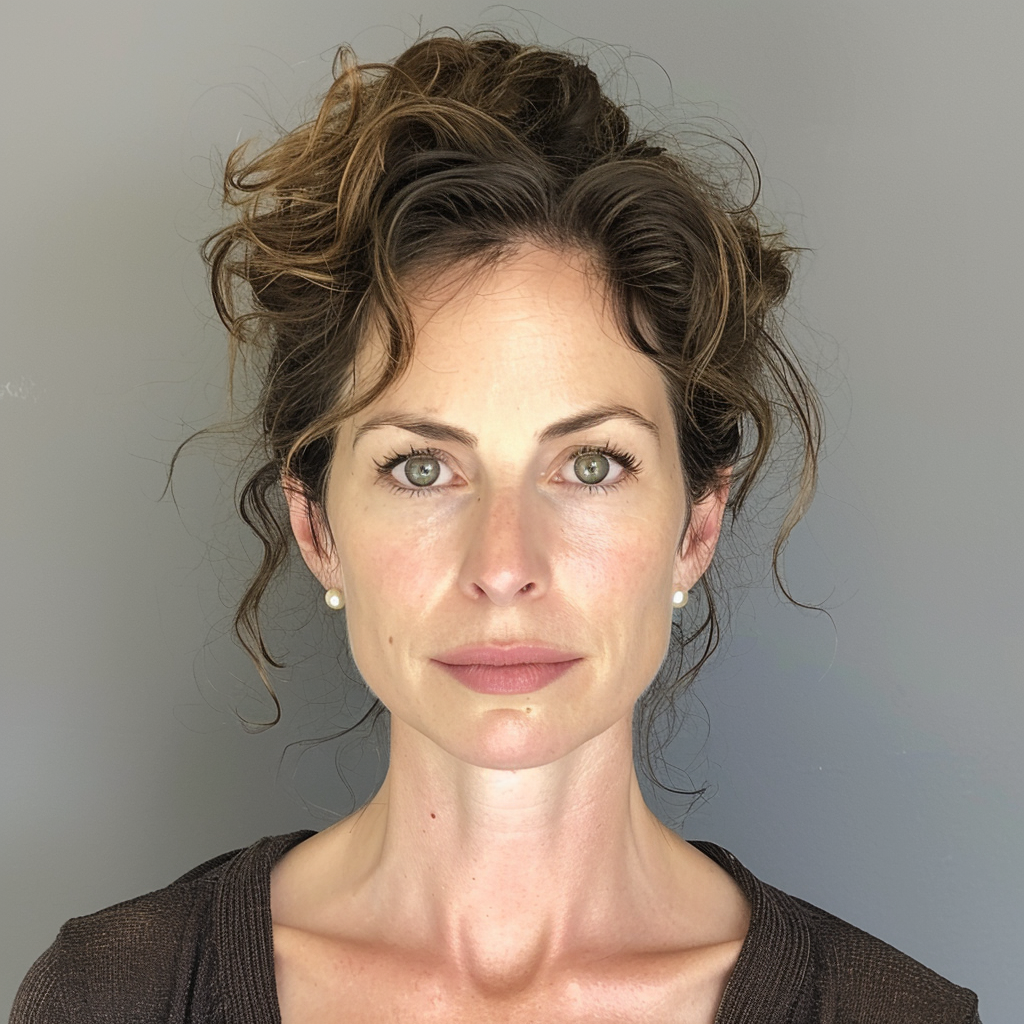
[391,639]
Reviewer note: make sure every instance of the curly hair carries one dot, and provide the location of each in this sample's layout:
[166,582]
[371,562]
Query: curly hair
[458,152]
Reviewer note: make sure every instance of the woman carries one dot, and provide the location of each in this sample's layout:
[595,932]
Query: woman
[517,363]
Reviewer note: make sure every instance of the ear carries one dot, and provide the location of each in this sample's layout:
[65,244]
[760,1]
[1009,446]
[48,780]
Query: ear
[307,526]
[698,544]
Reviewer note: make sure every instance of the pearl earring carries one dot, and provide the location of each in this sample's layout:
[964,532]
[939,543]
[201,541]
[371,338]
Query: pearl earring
[679,598]
[335,598]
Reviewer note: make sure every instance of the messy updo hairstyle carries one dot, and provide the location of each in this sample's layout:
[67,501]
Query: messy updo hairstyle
[457,153]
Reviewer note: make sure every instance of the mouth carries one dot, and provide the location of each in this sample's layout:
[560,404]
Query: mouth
[523,678]
[522,668]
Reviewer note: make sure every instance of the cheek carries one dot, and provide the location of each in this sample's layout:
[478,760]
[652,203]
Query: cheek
[621,572]
[619,582]
[396,572]
[383,581]
[388,551]
[394,569]
[622,555]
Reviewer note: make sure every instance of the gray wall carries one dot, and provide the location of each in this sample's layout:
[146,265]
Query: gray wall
[871,767]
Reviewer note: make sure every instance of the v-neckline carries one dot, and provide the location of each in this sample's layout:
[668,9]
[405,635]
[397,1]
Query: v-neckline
[765,984]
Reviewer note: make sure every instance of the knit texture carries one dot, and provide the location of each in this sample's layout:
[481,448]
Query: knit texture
[200,951]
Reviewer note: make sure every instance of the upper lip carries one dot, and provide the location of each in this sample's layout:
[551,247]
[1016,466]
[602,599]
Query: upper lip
[507,654]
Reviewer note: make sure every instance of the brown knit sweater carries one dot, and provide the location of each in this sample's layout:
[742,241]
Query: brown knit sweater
[201,951]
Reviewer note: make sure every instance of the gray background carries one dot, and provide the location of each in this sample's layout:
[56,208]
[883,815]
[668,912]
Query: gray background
[872,768]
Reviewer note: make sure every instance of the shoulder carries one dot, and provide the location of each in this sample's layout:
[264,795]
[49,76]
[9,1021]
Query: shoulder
[149,958]
[122,962]
[832,970]
[859,977]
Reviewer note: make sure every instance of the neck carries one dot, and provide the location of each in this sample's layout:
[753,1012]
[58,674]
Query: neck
[506,872]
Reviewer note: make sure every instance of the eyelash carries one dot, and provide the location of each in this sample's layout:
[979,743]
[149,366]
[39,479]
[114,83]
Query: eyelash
[630,467]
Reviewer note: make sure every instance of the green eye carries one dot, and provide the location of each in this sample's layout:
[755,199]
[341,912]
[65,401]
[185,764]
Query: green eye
[422,470]
[591,467]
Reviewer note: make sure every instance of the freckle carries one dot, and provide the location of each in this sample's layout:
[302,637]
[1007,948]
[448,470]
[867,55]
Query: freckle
[391,639]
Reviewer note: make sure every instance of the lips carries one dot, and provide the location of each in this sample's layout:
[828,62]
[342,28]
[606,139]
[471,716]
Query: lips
[517,654]
[522,668]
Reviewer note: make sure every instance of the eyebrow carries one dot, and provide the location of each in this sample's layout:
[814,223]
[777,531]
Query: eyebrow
[435,430]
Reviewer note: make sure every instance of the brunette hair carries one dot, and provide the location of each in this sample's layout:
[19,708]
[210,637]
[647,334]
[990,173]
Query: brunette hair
[458,152]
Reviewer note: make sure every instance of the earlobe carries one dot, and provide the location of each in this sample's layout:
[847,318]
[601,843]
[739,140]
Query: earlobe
[309,538]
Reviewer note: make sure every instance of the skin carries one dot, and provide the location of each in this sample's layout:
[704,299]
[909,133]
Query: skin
[509,860]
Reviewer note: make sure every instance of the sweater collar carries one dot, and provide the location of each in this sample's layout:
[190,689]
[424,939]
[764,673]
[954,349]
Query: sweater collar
[244,932]
[768,981]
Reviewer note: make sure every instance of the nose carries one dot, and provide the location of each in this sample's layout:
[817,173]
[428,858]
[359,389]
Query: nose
[506,553]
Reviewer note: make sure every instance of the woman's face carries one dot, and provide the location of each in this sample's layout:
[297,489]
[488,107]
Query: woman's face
[467,508]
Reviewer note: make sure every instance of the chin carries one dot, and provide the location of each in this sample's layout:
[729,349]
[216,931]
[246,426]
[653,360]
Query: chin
[508,739]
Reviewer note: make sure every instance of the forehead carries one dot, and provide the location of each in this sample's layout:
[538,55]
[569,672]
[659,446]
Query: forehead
[535,329]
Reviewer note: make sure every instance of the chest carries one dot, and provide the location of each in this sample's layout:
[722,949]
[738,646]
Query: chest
[326,982]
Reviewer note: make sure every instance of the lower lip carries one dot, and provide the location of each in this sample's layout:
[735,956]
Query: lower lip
[509,678]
